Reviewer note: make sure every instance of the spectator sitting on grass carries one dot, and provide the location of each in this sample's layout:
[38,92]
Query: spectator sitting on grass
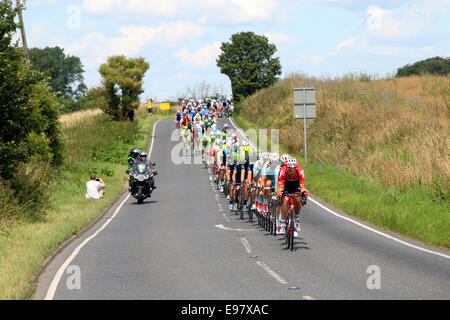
[95,188]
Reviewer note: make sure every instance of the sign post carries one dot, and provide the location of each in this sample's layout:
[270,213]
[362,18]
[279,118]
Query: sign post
[305,108]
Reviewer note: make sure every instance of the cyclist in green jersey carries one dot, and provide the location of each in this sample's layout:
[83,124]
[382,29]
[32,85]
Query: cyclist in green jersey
[186,135]
[205,143]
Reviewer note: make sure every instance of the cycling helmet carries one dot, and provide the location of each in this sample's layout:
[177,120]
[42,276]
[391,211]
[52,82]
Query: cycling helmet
[284,157]
[291,163]
[213,138]
[135,152]
[274,157]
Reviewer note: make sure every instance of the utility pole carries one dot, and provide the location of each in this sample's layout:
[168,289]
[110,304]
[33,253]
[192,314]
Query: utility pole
[22,29]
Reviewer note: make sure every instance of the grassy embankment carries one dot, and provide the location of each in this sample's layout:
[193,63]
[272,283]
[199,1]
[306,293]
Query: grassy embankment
[93,144]
[378,149]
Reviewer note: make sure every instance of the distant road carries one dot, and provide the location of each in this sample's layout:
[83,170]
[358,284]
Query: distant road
[183,243]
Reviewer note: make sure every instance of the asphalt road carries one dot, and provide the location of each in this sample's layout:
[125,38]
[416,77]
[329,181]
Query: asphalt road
[183,243]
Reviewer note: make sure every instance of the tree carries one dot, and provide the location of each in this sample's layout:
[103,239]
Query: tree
[249,63]
[29,126]
[64,73]
[121,85]
[436,66]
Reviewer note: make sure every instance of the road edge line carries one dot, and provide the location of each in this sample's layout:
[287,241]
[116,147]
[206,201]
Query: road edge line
[353,221]
[57,278]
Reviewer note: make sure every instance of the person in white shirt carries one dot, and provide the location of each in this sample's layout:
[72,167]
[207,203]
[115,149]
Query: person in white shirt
[95,188]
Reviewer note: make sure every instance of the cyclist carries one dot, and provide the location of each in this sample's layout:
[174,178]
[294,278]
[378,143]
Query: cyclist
[232,163]
[238,175]
[269,178]
[247,176]
[213,150]
[222,165]
[178,119]
[292,180]
[186,135]
[257,168]
[197,131]
[205,143]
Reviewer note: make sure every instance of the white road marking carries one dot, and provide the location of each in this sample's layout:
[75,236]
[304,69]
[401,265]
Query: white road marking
[381,233]
[272,273]
[353,221]
[54,285]
[221,226]
[308,298]
[246,245]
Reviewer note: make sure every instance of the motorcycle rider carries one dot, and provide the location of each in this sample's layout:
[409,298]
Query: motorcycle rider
[134,153]
[142,159]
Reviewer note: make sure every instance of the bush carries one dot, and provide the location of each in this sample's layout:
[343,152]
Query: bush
[434,66]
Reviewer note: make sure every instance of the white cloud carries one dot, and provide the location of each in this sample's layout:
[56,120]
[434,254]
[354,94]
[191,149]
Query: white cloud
[135,38]
[410,21]
[280,38]
[202,57]
[42,35]
[230,11]
[347,43]
[95,47]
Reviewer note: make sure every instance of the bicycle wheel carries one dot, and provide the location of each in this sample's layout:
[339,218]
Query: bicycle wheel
[292,229]
[250,211]
[286,237]
[271,228]
[274,221]
[241,205]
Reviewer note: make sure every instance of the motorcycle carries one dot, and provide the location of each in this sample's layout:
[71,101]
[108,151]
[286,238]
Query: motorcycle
[142,182]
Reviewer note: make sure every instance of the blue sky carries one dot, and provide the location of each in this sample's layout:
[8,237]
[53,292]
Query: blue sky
[181,38]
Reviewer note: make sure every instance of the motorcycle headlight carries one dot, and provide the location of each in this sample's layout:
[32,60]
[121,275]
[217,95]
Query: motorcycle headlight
[140,177]
[146,176]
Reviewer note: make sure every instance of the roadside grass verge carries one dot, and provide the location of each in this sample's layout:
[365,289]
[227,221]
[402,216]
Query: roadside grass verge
[93,144]
[416,212]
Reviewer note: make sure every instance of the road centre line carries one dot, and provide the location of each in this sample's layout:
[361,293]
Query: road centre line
[246,245]
[272,273]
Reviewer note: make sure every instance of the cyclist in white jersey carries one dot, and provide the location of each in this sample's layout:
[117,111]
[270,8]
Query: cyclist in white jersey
[269,178]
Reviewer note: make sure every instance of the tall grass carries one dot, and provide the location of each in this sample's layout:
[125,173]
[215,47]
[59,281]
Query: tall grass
[378,149]
[394,131]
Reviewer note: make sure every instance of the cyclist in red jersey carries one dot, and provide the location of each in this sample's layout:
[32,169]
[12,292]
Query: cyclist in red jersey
[291,180]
